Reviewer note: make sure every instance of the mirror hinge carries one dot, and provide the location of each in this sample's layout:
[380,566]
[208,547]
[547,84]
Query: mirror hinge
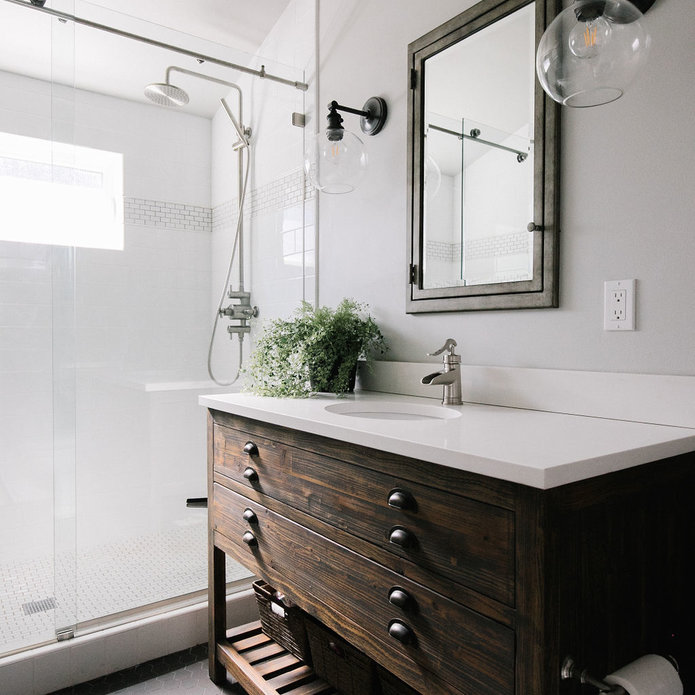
[413,78]
[413,274]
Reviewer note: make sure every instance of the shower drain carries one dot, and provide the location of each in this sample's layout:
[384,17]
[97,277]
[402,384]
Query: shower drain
[40,606]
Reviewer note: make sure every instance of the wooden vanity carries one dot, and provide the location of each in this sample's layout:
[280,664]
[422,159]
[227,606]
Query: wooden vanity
[457,583]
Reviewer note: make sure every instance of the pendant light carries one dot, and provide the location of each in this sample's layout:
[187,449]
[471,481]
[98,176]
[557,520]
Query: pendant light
[592,50]
[336,161]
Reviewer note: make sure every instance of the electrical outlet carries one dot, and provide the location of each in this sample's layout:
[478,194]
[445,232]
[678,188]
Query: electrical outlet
[619,305]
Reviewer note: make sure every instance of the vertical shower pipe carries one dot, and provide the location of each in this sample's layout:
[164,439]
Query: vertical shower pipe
[240,207]
[240,156]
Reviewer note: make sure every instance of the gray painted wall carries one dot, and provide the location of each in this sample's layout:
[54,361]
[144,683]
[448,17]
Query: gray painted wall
[628,204]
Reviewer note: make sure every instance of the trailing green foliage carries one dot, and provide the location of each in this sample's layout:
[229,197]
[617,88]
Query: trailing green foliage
[315,350]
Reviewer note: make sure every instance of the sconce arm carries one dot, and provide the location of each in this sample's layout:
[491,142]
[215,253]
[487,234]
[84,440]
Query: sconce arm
[335,106]
[372,114]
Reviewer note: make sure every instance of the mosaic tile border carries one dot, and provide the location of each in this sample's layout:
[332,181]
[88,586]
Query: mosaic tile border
[288,190]
[499,245]
[160,214]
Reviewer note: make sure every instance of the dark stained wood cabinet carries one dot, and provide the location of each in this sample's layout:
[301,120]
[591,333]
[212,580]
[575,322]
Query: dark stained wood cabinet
[456,583]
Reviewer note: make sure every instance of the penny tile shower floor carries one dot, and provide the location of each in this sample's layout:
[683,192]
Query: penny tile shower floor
[110,579]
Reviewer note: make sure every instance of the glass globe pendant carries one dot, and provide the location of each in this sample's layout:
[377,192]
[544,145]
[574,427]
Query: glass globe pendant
[336,166]
[591,51]
[336,160]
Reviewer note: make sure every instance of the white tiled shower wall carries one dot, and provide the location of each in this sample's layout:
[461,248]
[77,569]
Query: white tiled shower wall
[142,314]
[279,217]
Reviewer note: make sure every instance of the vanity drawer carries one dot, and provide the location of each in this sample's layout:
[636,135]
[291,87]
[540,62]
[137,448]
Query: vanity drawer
[465,540]
[417,628]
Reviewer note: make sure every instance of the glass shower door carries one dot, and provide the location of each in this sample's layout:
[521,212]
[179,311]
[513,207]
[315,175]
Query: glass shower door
[63,324]
[37,423]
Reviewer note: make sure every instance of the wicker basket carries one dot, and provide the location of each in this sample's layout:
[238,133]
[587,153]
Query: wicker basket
[281,621]
[347,669]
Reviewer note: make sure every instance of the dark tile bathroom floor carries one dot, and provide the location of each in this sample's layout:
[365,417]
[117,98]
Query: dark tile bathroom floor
[185,671]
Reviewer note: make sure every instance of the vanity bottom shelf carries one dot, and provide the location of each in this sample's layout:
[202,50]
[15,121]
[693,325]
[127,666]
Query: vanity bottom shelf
[263,667]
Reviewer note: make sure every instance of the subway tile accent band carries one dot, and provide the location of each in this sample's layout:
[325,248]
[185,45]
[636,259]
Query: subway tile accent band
[493,246]
[499,245]
[285,191]
[157,213]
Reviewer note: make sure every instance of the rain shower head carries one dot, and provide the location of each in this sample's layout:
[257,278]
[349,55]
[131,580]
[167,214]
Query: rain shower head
[165,94]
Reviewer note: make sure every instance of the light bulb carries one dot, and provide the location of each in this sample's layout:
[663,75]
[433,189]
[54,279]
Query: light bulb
[591,52]
[589,38]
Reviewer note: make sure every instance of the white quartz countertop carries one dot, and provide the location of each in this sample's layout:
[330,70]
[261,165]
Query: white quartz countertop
[531,447]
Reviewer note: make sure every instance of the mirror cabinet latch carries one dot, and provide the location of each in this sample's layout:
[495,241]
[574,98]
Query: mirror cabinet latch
[413,274]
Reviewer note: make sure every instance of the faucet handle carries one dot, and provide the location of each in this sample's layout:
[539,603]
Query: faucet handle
[449,345]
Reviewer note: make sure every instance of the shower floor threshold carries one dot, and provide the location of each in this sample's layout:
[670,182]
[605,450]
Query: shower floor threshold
[263,667]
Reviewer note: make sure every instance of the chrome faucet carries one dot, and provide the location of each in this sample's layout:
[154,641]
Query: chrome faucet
[450,376]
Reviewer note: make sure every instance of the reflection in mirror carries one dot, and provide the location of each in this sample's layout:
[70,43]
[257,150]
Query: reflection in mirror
[478,183]
[483,163]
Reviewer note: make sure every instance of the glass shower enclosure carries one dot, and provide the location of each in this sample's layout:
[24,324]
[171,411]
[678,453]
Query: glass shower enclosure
[111,213]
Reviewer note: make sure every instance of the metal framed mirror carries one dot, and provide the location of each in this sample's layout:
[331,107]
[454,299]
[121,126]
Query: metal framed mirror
[483,154]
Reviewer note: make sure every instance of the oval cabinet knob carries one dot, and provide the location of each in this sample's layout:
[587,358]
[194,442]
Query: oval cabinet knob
[250,516]
[401,632]
[401,499]
[249,539]
[251,449]
[401,598]
[401,537]
[250,474]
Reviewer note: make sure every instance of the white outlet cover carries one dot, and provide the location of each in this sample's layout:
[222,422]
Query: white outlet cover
[610,322]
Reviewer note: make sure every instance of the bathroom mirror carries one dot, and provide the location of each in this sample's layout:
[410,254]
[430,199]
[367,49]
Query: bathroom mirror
[483,153]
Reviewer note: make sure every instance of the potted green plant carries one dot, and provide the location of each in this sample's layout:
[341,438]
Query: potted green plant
[316,350]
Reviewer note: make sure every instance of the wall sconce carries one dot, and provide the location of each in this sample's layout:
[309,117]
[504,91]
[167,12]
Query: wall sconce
[591,51]
[336,161]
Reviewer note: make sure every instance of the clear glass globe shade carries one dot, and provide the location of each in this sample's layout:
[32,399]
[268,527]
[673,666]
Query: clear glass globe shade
[336,166]
[587,39]
[592,77]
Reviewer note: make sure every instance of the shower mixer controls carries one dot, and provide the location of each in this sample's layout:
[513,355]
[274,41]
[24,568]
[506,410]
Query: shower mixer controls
[242,312]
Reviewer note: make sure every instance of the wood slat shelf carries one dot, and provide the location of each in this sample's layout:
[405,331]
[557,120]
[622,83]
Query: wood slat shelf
[263,667]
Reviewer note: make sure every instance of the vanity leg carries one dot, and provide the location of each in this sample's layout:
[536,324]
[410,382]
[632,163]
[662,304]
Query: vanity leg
[217,621]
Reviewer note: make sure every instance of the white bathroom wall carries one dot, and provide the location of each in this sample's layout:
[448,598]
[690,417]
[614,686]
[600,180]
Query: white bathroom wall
[627,202]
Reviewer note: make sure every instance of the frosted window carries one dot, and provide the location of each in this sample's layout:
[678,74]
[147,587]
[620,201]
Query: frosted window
[53,193]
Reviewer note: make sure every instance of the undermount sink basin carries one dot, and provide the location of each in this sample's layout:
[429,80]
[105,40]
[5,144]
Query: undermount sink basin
[393,411]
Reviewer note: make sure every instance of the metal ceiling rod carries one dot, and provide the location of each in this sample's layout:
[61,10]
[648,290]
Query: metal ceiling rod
[160,44]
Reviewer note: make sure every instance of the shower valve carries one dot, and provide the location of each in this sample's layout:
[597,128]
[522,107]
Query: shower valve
[241,329]
[240,311]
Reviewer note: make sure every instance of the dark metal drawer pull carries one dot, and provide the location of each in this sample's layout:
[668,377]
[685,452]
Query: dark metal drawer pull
[249,539]
[401,632]
[250,474]
[336,648]
[251,449]
[401,499]
[250,516]
[401,537]
[401,598]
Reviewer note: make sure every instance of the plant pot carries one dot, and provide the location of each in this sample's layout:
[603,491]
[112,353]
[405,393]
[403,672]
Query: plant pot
[327,384]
